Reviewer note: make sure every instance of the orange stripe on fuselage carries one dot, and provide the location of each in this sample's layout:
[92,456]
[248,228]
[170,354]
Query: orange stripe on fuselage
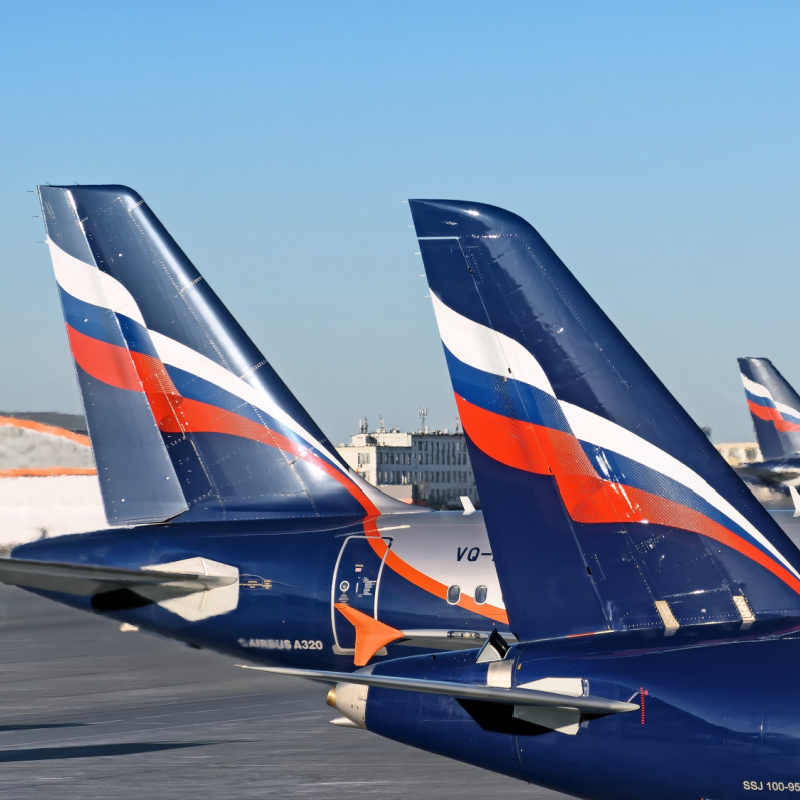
[431,585]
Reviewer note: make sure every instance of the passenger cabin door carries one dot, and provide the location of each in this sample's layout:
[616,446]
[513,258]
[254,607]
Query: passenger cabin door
[356,582]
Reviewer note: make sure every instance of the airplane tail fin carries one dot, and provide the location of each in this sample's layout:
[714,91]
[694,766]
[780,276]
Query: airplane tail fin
[606,506]
[183,410]
[774,406]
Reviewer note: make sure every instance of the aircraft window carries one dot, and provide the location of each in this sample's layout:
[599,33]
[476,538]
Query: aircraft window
[480,594]
[453,594]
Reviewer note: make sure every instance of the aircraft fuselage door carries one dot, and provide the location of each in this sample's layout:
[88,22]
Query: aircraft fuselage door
[356,581]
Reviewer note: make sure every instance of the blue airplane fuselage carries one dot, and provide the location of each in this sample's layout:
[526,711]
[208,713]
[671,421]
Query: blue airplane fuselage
[291,575]
[688,739]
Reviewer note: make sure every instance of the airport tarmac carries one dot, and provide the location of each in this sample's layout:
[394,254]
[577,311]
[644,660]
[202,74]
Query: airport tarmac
[90,712]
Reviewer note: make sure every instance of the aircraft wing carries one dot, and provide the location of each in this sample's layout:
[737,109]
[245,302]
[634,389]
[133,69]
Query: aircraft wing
[87,580]
[588,704]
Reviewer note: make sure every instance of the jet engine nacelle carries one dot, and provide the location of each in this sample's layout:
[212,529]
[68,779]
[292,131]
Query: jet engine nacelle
[351,700]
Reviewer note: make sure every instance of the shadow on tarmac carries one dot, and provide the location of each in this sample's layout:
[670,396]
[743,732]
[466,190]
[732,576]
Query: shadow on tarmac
[43,726]
[93,750]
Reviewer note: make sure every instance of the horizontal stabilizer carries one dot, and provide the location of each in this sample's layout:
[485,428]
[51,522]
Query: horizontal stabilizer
[464,691]
[371,633]
[85,581]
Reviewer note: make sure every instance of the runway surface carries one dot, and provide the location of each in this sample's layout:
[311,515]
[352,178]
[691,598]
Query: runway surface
[90,712]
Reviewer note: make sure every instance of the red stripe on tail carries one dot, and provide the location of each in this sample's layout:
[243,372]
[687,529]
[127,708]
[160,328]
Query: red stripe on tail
[587,497]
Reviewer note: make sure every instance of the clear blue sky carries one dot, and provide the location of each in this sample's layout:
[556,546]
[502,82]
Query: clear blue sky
[655,146]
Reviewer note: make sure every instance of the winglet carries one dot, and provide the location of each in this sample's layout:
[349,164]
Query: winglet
[371,634]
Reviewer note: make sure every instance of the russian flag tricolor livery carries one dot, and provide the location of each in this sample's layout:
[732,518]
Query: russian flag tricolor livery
[774,406]
[607,508]
[184,413]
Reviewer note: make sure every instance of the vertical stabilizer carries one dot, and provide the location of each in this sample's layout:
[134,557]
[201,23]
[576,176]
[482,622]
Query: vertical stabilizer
[607,507]
[164,367]
[774,406]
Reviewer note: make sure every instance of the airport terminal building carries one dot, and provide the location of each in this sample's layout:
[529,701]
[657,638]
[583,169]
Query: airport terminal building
[425,468]
[433,468]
